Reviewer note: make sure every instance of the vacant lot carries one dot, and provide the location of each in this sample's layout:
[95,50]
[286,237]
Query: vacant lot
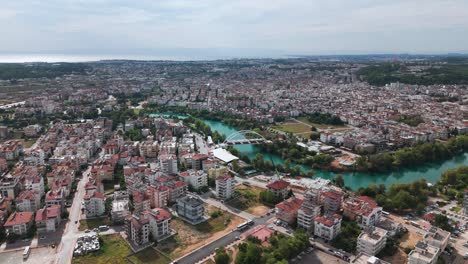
[113,250]
[149,256]
[190,237]
[93,223]
[248,199]
[292,127]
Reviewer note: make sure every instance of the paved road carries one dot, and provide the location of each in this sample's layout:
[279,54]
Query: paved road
[207,250]
[65,253]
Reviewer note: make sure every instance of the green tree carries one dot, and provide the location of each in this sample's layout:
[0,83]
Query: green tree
[221,256]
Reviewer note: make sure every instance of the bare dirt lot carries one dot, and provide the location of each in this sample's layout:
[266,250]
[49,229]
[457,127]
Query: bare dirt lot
[248,199]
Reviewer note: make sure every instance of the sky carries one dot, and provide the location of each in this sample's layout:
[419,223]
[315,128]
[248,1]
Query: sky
[233,28]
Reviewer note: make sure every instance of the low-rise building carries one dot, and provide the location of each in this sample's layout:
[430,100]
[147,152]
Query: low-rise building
[437,237]
[279,188]
[363,209]
[19,223]
[191,209]
[196,178]
[372,241]
[286,211]
[328,226]
[423,253]
[363,258]
[95,204]
[28,201]
[48,219]
[224,187]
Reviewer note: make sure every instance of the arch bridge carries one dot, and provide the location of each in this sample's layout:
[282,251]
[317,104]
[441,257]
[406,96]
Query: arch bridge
[244,137]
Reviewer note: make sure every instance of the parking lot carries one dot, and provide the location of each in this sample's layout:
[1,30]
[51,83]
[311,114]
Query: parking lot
[43,255]
[318,256]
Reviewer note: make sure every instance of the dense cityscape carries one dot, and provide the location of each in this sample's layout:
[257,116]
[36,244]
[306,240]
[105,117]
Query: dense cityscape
[235,161]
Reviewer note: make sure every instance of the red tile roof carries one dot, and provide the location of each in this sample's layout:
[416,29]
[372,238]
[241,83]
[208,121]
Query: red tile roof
[17,218]
[290,205]
[46,213]
[278,185]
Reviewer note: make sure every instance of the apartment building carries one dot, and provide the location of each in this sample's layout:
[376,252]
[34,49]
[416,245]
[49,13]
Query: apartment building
[137,228]
[437,237]
[19,223]
[94,204]
[279,188]
[140,203]
[191,209]
[28,201]
[158,196]
[286,211]
[327,226]
[196,178]
[308,211]
[371,241]
[362,209]
[224,187]
[363,258]
[423,253]
[331,201]
[48,219]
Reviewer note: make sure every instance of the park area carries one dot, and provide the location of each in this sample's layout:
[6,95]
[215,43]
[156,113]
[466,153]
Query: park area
[321,126]
[189,237]
[248,199]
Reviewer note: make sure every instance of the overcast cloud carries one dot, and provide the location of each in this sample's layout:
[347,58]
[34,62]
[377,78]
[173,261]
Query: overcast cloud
[234,27]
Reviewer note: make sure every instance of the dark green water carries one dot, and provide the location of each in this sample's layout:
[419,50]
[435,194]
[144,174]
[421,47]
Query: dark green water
[430,172]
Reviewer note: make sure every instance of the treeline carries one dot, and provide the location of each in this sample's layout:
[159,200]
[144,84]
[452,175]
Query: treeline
[12,71]
[411,120]
[412,156]
[282,249]
[291,152]
[453,183]
[202,127]
[400,197]
[324,118]
[380,75]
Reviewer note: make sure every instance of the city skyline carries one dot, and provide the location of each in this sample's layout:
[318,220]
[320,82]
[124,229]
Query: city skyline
[212,29]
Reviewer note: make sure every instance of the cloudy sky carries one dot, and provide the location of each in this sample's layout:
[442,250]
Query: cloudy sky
[233,28]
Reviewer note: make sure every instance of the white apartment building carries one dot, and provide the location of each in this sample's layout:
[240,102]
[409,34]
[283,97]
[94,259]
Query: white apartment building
[224,187]
[196,178]
[327,226]
[94,204]
[28,201]
[372,241]
[423,253]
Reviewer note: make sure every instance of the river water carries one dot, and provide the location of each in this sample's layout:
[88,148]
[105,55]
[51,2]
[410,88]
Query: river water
[431,172]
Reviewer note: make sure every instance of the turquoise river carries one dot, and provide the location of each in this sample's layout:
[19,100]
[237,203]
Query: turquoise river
[354,180]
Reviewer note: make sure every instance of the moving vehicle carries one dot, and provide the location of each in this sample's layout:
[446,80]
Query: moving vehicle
[26,252]
[243,226]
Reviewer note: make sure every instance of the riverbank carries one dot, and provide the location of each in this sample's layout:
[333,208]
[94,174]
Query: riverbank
[354,180]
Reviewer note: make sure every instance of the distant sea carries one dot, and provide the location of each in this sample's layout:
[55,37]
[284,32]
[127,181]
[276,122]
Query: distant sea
[20,58]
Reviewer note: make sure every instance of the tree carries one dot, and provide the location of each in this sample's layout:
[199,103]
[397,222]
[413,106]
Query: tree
[221,256]
[443,222]
[338,180]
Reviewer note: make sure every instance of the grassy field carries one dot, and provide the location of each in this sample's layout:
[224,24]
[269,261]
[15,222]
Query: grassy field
[93,223]
[149,256]
[248,200]
[320,126]
[190,237]
[113,250]
[28,143]
[292,128]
